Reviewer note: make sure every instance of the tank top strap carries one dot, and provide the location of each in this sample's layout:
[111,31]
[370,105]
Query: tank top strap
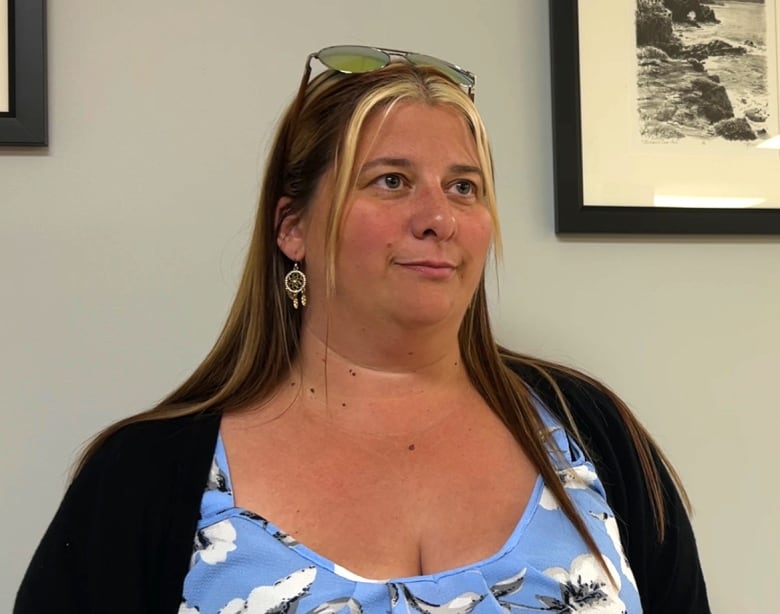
[218,494]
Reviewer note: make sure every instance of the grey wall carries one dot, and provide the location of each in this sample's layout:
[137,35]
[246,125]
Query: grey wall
[121,244]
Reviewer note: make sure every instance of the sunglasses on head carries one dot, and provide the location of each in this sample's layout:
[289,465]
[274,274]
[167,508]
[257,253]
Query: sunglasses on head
[350,59]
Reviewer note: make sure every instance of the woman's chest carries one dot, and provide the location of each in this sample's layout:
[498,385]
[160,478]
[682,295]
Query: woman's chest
[347,555]
[386,507]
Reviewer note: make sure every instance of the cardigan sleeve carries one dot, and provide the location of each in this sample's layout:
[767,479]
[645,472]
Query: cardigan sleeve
[113,545]
[668,573]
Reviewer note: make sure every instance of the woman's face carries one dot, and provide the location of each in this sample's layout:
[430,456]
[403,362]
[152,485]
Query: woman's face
[415,232]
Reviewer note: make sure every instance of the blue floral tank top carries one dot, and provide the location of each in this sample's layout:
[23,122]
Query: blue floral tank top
[242,563]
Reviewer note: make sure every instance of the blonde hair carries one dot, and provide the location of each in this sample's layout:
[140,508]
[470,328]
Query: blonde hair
[260,339]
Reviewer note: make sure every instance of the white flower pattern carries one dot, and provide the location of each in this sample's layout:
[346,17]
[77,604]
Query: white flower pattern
[585,587]
[213,543]
[610,524]
[279,598]
[580,477]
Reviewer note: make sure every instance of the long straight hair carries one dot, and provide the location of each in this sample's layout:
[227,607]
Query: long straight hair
[261,337]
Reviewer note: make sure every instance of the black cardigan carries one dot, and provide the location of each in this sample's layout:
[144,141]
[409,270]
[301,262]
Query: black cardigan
[122,538]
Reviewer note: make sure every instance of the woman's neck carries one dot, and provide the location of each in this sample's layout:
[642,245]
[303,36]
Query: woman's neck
[383,392]
[380,360]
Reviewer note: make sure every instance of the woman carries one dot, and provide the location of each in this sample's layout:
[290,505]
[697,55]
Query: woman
[356,440]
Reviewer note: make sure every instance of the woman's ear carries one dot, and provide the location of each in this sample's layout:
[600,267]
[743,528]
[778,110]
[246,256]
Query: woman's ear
[290,237]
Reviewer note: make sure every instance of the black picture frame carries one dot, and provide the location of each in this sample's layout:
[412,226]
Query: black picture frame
[25,124]
[572,215]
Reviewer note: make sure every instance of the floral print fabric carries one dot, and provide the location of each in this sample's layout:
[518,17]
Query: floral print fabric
[241,563]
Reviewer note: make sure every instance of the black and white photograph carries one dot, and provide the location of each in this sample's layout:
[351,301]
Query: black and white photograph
[23,100]
[702,70]
[5,59]
[666,116]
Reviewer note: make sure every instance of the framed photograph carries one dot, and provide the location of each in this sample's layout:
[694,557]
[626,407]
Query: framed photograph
[665,116]
[23,118]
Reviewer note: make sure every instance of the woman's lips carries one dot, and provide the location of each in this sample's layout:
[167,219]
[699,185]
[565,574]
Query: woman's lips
[430,269]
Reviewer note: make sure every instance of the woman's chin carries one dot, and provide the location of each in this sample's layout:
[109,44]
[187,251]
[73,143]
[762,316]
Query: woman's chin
[420,315]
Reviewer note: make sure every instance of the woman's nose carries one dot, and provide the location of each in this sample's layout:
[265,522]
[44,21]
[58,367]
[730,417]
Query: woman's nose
[432,215]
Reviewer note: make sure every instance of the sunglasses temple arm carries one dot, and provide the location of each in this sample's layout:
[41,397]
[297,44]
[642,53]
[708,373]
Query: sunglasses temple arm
[295,111]
[302,87]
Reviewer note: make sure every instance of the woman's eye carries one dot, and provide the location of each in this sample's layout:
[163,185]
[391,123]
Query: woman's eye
[391,181]
[465,188]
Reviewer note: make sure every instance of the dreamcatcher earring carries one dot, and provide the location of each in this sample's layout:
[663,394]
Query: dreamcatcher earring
[294,285]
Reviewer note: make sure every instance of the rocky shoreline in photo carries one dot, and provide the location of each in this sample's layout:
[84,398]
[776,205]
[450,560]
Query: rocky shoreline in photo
[678,96]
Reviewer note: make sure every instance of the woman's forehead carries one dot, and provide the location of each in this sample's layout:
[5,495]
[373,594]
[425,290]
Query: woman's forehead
[407,125]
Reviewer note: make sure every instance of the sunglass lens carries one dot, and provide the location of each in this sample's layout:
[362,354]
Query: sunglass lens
[353,59]
[453,72]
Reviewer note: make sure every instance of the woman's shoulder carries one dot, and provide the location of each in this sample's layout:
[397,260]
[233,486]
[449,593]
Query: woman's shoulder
[161,430]
[667,570]
[590,412]
[141,474]
[150,443]
[133,503]
[590,403]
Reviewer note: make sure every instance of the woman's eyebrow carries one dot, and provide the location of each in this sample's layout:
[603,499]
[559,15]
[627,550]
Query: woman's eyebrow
[406,163]
[466,169]
[399,162]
